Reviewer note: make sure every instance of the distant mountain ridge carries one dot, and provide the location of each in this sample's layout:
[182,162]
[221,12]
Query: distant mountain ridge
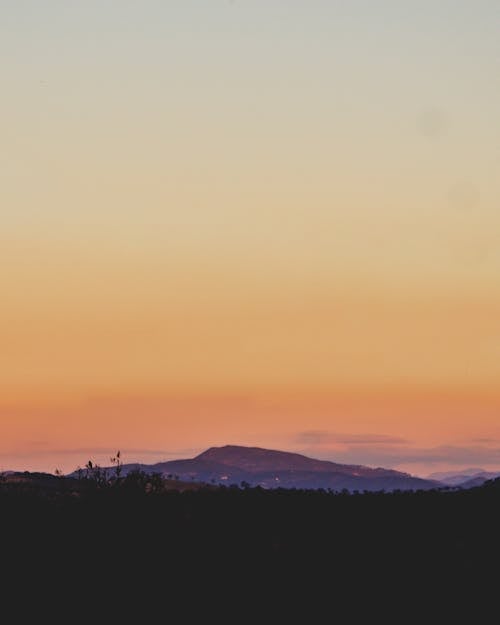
[256,466]
[465,478]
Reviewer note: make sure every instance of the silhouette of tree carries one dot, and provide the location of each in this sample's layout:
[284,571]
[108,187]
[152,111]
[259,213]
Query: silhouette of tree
[96,474]
[116,460]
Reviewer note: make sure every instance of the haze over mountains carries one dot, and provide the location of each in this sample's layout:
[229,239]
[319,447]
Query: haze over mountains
[233,464]
[465,478]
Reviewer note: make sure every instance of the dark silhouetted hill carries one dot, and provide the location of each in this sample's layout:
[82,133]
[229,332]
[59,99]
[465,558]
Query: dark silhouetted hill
[132,543]
[234,464]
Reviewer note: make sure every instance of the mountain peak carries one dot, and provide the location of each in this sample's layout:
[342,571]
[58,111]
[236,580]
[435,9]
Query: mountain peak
[259,458]
[256,459]
[270,468]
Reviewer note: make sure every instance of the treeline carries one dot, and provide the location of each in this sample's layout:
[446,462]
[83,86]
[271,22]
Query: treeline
[106,534]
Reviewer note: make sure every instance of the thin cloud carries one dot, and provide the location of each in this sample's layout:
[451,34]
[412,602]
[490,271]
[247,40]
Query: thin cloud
[384,450]
[100,451]
[393,455]
[323,437]
[485,441]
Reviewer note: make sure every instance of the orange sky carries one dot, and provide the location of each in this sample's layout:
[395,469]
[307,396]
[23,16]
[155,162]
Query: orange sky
[256,224]
[417,431]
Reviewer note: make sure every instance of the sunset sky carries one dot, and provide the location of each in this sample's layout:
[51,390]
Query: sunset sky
[257,222]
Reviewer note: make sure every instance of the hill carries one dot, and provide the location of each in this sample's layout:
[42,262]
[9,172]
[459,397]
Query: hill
[133,539]
[466,478]
[255,466]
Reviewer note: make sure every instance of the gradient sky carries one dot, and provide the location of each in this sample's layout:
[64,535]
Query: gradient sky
[257,222]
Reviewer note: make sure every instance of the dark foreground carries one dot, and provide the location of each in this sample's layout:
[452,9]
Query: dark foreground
[135,546]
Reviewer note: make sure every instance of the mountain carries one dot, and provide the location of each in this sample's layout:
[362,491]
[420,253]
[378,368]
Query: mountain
[234,464]
[465,478]
[443,475]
